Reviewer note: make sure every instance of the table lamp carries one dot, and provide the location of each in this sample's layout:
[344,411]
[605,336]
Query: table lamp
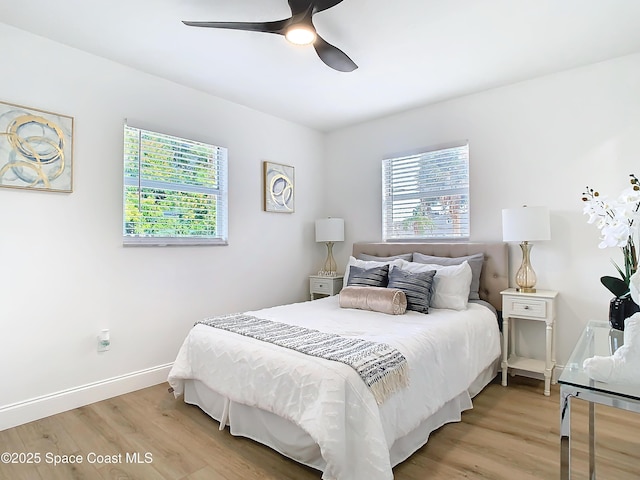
[526,224]
[329,231]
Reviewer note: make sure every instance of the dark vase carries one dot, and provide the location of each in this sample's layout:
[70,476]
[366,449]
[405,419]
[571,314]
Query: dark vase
[621,308]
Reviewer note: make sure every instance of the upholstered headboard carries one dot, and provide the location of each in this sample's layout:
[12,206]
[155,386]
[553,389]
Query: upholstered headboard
[495,271]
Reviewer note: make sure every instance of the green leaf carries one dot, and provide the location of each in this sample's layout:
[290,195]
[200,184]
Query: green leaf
[615,285]
[622,275]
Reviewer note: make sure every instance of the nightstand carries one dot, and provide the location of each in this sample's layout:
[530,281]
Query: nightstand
[539,306]
[324,286]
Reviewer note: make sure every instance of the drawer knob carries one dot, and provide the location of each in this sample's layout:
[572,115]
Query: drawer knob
[526,307]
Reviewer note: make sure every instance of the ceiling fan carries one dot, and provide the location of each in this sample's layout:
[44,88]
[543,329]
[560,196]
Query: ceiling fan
[298,29]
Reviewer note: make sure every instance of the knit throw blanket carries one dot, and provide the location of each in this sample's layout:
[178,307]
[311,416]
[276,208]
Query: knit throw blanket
[382,368]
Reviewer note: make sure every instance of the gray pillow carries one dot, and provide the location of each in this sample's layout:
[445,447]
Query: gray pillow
[373,277]
[404,256]
[475,262]
[416,287]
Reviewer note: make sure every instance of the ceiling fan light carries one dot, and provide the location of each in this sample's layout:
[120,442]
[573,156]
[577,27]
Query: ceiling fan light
[300,35]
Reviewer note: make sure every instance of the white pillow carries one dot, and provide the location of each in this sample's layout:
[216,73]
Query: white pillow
[367,264]
[451,284]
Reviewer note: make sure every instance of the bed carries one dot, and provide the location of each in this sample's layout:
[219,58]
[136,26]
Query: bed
[319,412]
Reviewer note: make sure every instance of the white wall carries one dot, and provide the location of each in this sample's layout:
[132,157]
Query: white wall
[538,142]
[64,274]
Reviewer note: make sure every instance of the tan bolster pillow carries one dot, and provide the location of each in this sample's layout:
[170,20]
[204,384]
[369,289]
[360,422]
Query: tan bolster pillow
[379,299]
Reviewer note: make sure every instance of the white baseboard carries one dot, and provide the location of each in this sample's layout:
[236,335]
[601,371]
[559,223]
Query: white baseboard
[35,408]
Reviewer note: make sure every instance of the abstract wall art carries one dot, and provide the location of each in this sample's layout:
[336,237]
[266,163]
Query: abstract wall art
[279,188]
[36,149]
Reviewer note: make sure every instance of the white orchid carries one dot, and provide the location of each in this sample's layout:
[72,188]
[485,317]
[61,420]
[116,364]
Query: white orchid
[614,234]
[597,210]
[631,195]
[617,221]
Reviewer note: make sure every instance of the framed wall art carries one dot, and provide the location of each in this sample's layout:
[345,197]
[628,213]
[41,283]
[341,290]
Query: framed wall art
[36,149]
[279,188]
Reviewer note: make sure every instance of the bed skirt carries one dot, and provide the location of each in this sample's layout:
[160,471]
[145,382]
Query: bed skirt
[291,441]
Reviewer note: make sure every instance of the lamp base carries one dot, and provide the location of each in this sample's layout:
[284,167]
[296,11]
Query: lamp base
[526,290]
[329,268]
[323,273]
[525,276]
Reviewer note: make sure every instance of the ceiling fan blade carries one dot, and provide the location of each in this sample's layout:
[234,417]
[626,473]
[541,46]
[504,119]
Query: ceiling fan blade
[299,6]
[333,56]
[320,5]
[267,27]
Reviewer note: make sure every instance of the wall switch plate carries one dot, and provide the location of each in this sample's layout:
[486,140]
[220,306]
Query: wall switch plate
[104,341]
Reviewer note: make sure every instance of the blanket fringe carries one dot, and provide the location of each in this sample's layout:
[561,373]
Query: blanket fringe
[390,383]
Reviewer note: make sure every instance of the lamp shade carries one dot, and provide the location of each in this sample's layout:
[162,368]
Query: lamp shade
[330,230]
[525,224]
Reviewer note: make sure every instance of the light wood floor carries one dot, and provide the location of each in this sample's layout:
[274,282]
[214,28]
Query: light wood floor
[511,433]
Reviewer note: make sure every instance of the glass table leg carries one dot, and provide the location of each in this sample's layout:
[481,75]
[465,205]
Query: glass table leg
[565,434]
[592,441]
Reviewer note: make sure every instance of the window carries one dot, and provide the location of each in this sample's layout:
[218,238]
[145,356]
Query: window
[426,195]
[175,190]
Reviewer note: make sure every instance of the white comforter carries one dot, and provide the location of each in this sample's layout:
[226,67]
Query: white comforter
[445,350]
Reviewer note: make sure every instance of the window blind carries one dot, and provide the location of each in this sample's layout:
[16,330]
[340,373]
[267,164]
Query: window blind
[426,195]
[175,190]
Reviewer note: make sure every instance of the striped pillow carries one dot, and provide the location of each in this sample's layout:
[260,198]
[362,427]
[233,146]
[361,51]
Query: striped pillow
[415,285]
[373,277]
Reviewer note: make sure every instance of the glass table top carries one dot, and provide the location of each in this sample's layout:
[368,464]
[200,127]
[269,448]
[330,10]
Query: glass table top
[598,338]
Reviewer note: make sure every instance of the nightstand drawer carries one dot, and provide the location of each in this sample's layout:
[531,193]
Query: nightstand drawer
[319,285]
[519,307]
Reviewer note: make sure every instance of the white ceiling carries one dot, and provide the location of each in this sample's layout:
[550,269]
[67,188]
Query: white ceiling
[409,52]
